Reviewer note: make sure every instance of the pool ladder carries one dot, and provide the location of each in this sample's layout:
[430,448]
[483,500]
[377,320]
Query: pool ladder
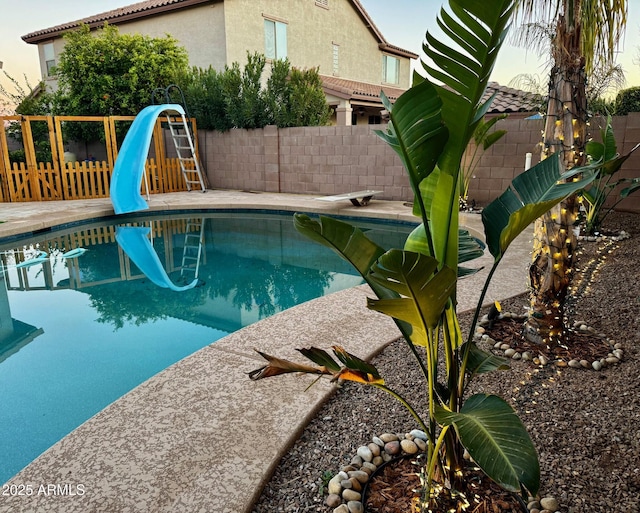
[186,152]
[192,250]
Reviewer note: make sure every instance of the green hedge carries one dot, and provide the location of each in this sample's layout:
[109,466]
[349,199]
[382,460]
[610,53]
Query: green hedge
[628,100]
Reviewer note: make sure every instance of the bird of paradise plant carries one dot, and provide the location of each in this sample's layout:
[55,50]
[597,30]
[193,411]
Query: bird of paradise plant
[430,127]
[595,196]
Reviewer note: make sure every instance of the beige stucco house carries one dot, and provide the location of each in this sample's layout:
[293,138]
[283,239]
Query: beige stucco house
[337,36]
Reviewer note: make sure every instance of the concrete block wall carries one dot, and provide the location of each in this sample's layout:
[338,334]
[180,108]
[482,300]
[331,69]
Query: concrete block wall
[505,160]
[337,159]
[304,160]
[627,132]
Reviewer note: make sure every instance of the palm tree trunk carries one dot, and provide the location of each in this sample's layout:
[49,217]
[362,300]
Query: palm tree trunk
[554,238]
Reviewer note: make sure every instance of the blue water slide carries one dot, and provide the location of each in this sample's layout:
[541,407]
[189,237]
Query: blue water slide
[134,241]
[126,179]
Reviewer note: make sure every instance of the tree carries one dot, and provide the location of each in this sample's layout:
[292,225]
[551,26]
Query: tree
[242,93]
[307,102]
[236,97]
[108,73]
[202,89]
[27,101]
[585,31]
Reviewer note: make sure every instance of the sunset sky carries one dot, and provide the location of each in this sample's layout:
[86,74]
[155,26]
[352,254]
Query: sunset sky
[404,25]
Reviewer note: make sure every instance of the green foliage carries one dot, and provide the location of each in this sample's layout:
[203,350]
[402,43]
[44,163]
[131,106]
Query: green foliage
[236,97]
[242,93]
[27,101]
[430,128]
[327,475]
[277,94]
[107,73]
[601,106]
[204,97]
[627,100]
[483,138]
[596,195]
[17,156]
[307,103]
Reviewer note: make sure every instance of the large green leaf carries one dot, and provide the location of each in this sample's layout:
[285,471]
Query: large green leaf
[348,241]
[476,30]
[606,151]
[530,195]
[635,185]
[424,291]
[469,248]
[481,362]
[496,440]
[416,131]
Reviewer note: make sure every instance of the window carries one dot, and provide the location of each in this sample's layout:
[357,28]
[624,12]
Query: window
[390,69]
[275,39]
[49,58]
[323,3]
[336,59]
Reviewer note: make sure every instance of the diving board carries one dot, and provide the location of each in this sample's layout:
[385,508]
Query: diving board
[358,198]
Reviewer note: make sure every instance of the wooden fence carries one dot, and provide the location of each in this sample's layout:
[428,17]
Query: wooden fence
[62,180]
[19,278]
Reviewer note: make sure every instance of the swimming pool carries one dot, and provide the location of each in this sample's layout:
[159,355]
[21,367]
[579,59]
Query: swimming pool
[77,332]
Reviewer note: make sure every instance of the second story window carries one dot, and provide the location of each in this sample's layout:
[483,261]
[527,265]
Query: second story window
[390,69]
[275,39]
[336,59]
[49,58]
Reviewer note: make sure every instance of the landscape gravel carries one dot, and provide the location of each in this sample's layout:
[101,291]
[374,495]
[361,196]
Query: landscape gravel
[584,423]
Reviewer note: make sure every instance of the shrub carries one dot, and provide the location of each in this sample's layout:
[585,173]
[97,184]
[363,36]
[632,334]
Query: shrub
[236,98]
[627,100]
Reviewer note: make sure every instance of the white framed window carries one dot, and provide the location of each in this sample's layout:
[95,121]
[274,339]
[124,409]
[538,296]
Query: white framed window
[49,58]
[336,58]
[390,69]
[275,39]
[323,3]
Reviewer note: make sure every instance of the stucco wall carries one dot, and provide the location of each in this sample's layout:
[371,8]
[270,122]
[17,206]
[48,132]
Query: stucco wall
[311,31]
[336,159]
[199,29]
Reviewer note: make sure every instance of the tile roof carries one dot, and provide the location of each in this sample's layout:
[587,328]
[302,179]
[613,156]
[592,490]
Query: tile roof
[152,7]
[511,100]
[354,90]
[507,99]
[122,14]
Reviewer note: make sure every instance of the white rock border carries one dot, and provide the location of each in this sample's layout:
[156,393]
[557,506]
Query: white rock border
[345,488]
[614,356]
[622,235]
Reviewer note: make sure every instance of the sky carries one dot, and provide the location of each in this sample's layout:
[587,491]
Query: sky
[403,25]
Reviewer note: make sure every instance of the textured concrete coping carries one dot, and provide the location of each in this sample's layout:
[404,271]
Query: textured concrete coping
[200,436]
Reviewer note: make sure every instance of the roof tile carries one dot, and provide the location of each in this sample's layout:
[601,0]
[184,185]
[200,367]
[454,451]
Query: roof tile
[511,100]
[355,90]
[115,14]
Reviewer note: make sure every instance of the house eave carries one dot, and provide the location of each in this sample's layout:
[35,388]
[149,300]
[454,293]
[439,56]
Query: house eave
[111,17]
[396,50]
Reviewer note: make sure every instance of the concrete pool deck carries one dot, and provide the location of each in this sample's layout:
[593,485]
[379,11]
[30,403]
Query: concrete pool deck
[200,436]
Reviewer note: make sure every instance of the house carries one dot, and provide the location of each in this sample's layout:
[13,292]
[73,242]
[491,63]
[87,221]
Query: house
[337,36]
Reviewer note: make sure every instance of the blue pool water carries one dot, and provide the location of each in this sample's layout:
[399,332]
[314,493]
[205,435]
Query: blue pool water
[77,333]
